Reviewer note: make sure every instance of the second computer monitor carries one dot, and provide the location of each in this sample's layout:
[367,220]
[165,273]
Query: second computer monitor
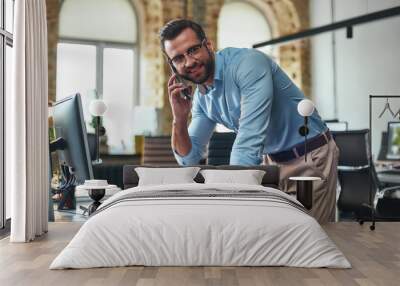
[393,147]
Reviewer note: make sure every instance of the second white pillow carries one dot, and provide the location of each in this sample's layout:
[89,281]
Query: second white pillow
[248,177]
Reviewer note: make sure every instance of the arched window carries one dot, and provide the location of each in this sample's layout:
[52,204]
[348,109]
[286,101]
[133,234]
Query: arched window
[241,25]
[97,56]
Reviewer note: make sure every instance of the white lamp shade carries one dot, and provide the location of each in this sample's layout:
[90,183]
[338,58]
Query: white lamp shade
[305,107]
[97,107]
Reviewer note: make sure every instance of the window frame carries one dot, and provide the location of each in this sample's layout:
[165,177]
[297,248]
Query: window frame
[100,46]
[6,39]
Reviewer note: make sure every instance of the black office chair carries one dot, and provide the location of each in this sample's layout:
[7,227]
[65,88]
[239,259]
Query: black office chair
[384,147]
[361,191]
[355,192]
[219,148]
[358,185]
[353,146]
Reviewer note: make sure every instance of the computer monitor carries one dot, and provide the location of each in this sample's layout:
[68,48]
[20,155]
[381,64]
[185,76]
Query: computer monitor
[393,147]
[70,125]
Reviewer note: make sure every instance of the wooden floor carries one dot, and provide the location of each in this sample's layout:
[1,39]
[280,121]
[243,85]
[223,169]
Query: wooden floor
[375,256]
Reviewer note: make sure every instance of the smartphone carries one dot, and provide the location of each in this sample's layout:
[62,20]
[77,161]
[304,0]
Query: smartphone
[185,93]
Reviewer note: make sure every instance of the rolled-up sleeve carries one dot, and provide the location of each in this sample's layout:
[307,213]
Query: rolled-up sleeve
[200,131]
[254,79]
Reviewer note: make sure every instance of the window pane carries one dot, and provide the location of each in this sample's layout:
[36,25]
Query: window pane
[250,29]
[9,15]
[109,20]
[118,94]
[8,82]
[76,72]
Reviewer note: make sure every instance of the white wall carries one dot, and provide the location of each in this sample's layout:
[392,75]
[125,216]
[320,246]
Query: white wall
[369,63]
[322,60]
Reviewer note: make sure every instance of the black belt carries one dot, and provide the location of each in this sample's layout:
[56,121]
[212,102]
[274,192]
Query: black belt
[299,150]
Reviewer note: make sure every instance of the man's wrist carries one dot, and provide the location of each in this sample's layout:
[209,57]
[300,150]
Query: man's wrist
[179,122]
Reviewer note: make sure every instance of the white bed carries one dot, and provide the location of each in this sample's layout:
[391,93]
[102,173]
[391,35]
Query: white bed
[225,225]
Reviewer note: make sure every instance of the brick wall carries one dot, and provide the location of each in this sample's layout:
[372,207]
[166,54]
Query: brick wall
[52,7]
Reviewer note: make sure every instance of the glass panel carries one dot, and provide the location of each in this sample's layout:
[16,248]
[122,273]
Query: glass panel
[252,27]
[109,20]
[9,15]
[118,95]
[8,85]
[76,72]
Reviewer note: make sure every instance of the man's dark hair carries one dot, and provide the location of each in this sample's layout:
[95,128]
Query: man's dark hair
[173,28]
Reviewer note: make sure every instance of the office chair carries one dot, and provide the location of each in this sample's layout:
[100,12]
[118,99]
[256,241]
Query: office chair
[361,191]
[387,200]
[384,147]
[355,192]
[354,174]
[220,147]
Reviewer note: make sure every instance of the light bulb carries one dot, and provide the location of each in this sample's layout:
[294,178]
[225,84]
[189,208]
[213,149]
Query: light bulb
[97,107]
[305,107]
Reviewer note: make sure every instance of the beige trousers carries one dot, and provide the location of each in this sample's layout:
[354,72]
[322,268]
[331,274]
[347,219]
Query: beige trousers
[321,162]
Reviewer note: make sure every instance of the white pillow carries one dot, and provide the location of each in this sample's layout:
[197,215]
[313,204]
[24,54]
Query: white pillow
[248,177]
[166,176]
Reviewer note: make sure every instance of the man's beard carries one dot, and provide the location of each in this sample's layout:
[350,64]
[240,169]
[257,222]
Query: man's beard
[209,69]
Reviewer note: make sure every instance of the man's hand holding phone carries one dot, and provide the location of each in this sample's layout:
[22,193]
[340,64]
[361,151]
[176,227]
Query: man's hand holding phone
[179,98]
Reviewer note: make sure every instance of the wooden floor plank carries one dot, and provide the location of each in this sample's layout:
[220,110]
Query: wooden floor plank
[375,257]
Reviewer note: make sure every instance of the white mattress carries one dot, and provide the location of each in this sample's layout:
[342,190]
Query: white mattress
[189,231]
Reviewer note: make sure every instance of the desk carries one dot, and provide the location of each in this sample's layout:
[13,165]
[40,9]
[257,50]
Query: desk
[392,179]
[386,173]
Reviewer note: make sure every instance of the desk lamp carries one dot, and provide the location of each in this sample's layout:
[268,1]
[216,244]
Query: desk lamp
[97,108]
[305,108]
[304,184]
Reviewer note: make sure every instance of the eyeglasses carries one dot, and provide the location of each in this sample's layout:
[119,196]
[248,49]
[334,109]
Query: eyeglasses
[193,52]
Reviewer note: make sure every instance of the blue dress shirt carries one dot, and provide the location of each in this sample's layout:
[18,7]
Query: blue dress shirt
[253,97]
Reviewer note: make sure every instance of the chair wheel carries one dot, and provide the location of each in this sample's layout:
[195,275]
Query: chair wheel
[361,222]
[372,227]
